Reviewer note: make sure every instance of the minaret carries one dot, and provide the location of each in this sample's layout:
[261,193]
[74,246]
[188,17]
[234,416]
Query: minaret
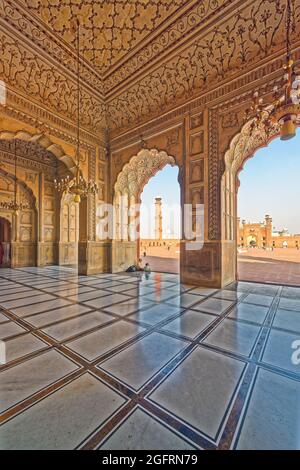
[269,231]
[158,219]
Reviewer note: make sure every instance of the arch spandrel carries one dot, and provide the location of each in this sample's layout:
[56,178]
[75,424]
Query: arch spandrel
[245,143]
[44,142]
[138,171]
[26,190]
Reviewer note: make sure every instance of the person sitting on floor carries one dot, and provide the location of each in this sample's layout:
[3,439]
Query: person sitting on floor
[131,269]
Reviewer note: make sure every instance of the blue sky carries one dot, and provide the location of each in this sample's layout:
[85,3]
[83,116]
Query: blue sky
[164,184]
[270,184]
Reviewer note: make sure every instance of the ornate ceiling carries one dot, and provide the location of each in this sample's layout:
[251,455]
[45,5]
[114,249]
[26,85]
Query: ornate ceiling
[140,57]
[111,28]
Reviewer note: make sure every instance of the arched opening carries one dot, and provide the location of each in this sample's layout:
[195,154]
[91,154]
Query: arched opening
[160,218]
[38,232]
[268,245]
[5,243]
[242,147]
[127,199]
[69,231]
[23,224]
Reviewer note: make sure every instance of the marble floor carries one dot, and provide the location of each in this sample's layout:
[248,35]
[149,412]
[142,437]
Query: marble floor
[118,361]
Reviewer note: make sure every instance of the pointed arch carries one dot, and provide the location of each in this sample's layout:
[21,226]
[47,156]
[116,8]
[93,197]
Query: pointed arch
[20,183]
[245,143]
[242,147]
[127,191]
[43,141]
[138,171]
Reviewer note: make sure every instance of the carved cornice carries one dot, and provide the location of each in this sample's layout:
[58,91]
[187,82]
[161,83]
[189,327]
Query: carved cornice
[27,163]
[30,113]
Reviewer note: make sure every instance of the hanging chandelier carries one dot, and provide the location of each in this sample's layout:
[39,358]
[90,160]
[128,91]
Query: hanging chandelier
[77,185]
[14,205]
[285,108]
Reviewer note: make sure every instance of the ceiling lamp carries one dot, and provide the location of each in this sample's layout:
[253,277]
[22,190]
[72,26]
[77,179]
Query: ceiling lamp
[77,185]
[285,108]
[13,205]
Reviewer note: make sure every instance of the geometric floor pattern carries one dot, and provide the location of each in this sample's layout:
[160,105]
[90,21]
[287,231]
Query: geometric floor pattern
[120,361]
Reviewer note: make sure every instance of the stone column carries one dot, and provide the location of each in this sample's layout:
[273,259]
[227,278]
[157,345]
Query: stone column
[40,223]
[269,230]
[238,221]
[158,218]
[83,243]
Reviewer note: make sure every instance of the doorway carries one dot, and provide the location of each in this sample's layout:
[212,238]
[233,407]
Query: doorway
[5,243]
[160,220]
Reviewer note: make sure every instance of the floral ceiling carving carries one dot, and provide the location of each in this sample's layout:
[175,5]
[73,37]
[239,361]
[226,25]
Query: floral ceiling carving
[248,36]
[25,71]
[111,28]
[153,54]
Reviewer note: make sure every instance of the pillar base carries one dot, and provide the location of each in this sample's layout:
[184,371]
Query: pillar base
[214,265]
[93,257]
[124,254]
[23,254]
[47,254]
[68,254]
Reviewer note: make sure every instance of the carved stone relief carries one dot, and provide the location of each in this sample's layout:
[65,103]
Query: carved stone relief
[140,169]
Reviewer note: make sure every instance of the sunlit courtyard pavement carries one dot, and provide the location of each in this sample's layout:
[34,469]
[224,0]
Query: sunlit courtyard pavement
[281,266]
[118,361]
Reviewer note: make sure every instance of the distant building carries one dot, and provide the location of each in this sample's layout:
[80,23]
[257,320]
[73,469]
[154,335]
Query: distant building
[262,235]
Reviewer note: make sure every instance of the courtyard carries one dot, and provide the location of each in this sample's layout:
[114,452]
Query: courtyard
[280,266]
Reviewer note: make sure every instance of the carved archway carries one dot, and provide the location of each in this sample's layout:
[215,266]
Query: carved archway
[5,241]
[246,143]
[69,231]
[242,147]
[44,142]
[138,171]
[21,183]
[127,190]
[23,224]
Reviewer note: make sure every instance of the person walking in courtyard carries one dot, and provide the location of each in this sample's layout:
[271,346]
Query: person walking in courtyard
[147,270]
